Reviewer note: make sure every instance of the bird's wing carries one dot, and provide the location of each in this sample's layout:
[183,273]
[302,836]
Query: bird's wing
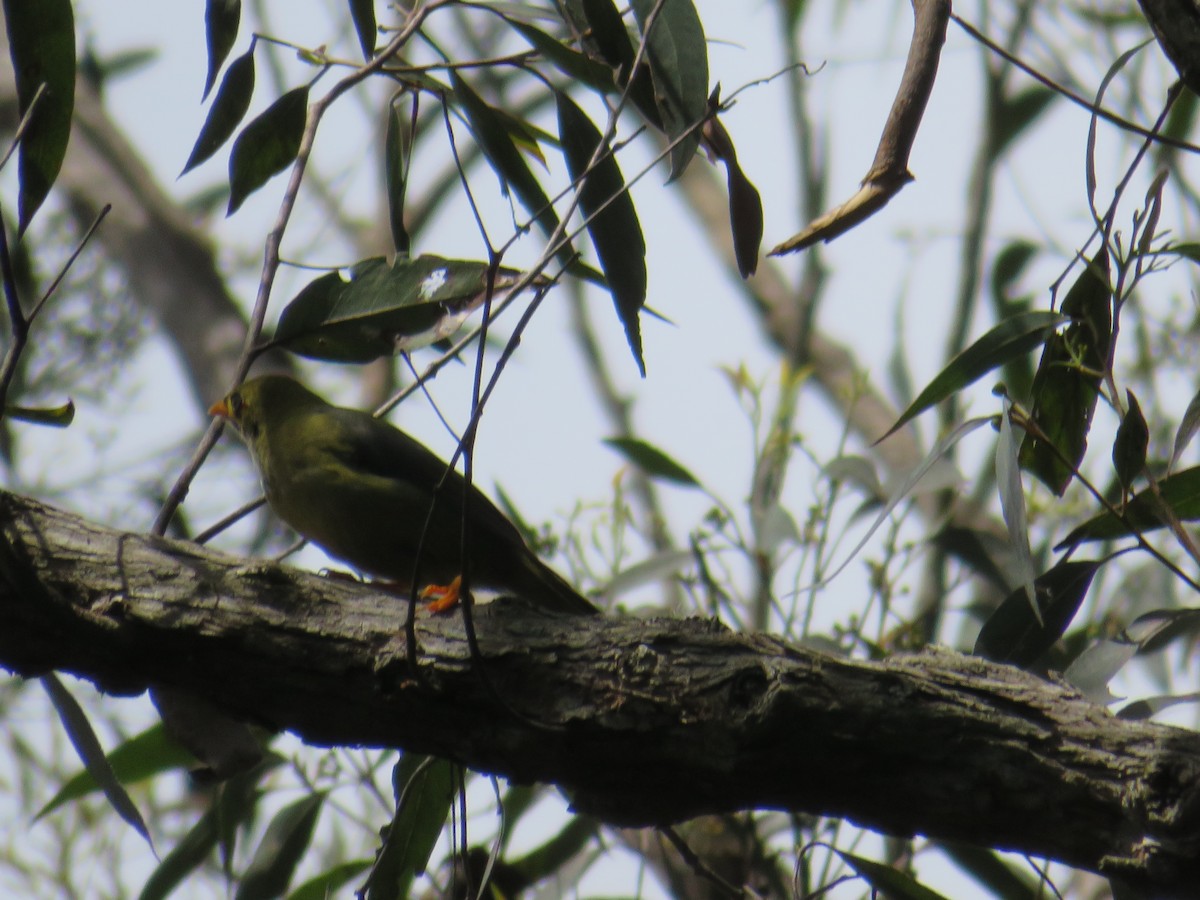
[382,450]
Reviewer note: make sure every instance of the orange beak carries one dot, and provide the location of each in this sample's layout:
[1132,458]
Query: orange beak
[220,408]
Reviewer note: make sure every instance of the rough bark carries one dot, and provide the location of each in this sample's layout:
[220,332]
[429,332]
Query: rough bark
[639,721]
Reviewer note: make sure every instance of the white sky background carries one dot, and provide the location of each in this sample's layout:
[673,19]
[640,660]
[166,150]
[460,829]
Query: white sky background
[540,438]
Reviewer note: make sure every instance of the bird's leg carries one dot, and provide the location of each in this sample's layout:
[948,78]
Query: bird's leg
[442,597]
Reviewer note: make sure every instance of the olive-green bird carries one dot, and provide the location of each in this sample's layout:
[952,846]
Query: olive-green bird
[362,489]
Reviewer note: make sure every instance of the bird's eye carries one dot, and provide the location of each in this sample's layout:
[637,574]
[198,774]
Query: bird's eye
[236,404]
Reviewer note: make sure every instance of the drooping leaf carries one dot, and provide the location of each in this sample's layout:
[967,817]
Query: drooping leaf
[283,846]
[745,204]
[1014,635]
[1129,448]
[140,757]
[330,882]
[363,14]
[654,569]
[87,745]
[1006,341]
[54,416]
[1188,426]
[395,162]
[267,145]
[603,36]
[1180,492]
[1067,384]
[227,110]
[41,41]
[571,62]
[385,309]
[221,21]
[888,879]
[678,55]
[234,803]
[1012,506]
[1154,630]
[653,461]
[501,152]
[424,788]
[612,220]
[1016,114]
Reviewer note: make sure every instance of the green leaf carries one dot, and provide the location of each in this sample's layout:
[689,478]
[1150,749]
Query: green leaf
[1067,384]
[1180,492]
[652,461]
[363,14]
[1132,441]
[571,62]
[1015,114]
[221,21]
[678,55]
[602,33]
[612,220]
[896,884]
[41,41]
[384,309]
[424,787]
[54,416]
[329,883]
[1188,426]
[141,757]
[282,847]
[87,745]
[492,133]
[234,803]
[1012,506]
[267,145]
[1007,340]
[227,110]
[1014,635]
[396,160]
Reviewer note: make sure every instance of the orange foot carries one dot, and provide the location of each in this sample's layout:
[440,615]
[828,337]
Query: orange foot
[442,597]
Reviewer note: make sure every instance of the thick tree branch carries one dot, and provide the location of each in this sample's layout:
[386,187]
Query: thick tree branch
[639,721]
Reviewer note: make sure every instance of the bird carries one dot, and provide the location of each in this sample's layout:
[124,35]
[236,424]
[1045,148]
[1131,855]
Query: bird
[368,494]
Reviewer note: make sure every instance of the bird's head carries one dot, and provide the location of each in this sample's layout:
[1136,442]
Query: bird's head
[259,404]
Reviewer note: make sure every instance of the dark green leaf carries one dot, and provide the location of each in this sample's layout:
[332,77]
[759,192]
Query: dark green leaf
[395,163]
[1014,115]
[612,220]
[1156,629]
[41,41]
[55,416]
[568,60]
[384,309]
[1067,384]
[652,461]
[363,14]
[221,21]
[87,745]
[143,756]
[882,877]
[1180,492]
[424,789]
[329,883]
[554,854]
[1014,635]
[234,803]
[227,110]
[678,55]
[991,870]
[1006,341]
[279,852]
[267,145]
[497,144]
[1129,448]
[603,35]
